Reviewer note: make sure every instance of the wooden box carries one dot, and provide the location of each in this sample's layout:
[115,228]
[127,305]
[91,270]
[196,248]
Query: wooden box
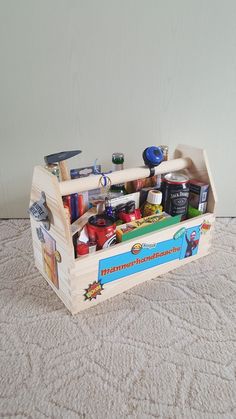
[86,281]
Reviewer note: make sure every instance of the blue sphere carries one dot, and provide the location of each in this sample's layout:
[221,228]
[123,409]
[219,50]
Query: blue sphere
[153,156]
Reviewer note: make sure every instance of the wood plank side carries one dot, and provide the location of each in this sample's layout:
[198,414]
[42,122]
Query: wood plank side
[67,256]
[85,262]
[63,277]
[200,169]
[43,180]
[86,273]
[59,232]
[67,301]
[81,280]
[78,300]
[212,196]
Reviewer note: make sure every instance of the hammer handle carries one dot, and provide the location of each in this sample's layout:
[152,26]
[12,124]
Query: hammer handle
[65,174]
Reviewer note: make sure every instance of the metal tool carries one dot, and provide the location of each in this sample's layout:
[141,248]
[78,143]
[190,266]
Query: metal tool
[39,211]
[60,159]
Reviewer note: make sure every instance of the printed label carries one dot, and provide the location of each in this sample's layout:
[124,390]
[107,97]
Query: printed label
[93,290]
[146,256]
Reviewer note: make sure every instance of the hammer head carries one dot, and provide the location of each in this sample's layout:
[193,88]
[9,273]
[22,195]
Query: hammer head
[63,155]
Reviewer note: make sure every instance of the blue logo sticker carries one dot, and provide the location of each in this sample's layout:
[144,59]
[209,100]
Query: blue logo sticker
[179,233]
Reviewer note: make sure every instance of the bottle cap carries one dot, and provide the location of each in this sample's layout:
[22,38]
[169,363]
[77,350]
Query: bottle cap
[154,197]
[118,158]
[176,178]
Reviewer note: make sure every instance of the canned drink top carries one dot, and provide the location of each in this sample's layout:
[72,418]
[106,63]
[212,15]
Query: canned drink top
[176,178]
[101,220]
[118,158]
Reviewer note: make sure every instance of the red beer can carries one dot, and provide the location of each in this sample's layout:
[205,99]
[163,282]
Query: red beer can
[102,229]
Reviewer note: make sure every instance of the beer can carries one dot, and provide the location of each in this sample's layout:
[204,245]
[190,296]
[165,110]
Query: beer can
[102,229]
[175,190]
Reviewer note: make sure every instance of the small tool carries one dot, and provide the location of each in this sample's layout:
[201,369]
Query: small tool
[39,212]
[60,159]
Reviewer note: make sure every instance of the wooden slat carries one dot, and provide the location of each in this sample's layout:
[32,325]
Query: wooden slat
[43,180]
[92,182]
[199,169]
[117,287]
[86,269]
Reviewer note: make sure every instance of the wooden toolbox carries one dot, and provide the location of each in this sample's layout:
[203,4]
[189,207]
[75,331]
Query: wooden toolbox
[90,279]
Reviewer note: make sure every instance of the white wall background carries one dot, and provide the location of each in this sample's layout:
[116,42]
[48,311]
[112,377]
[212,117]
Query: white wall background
[104,75]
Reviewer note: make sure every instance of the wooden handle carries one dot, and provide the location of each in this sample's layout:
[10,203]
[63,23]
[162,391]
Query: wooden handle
[121,176]
[65,174]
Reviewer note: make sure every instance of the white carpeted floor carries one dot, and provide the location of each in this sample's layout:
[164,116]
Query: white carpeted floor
[165,349]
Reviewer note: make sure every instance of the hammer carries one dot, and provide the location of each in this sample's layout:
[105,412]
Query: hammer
[60,159]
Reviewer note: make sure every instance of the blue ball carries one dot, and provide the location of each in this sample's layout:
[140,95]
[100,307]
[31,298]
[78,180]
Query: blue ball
[153,156]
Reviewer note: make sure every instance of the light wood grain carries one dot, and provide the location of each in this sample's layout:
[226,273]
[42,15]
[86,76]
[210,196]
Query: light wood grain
[64,170]
[75,275]
[199,169]
[43,180]
[92,182]
[86,267]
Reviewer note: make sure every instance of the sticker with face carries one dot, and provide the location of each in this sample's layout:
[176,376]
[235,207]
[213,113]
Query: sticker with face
[136,248]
